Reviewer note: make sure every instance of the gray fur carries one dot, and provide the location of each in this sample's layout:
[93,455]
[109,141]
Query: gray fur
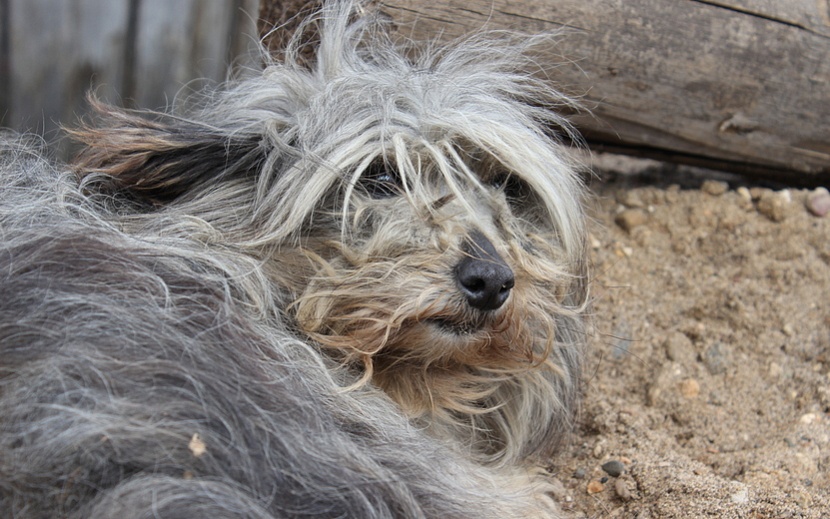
[161,348]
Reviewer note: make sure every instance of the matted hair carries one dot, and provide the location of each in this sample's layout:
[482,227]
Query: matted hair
[250,311]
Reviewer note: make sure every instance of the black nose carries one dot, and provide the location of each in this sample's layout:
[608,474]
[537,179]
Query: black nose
[483,276]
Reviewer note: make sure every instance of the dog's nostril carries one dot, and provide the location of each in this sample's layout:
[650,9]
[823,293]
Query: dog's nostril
[483,277]
[486,284]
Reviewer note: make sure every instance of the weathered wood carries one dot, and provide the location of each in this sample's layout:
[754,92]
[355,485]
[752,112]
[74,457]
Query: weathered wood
[744,83]
[182,45]
[57,48]
[140,53]
[741,85]
[5,52]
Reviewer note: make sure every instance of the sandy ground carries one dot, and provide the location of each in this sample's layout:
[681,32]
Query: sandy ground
[709,376]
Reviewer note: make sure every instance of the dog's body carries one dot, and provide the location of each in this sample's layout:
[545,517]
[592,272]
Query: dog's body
[353,290]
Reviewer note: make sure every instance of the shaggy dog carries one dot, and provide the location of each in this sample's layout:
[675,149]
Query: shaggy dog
[347,289]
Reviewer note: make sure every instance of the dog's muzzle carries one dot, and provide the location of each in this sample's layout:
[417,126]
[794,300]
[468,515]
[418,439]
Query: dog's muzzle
[483,277]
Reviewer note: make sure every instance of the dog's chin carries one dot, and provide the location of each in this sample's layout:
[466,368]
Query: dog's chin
[460,328]
[488,342]
[447,336]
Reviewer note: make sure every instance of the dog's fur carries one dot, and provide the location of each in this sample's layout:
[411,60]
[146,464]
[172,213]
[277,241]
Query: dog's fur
[256,311]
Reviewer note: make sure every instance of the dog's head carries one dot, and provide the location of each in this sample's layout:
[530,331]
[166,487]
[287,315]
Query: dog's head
[416,207]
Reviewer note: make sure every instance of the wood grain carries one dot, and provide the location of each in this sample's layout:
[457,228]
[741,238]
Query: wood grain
[139,53]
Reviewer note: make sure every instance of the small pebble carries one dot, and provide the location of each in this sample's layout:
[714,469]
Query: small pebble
[818,202]
[580,473]
[595,487]
[690,388]
[630,198]
[622,491]
[740,497]
[662,382]
[803,499]
[714,187]
[631,218]
[775,370]
[773,205]
[672,194]
[808,418]
[744,198]
[613,468]
[598,450]
[757,192]
[714,358]
[679,348]
[805,464]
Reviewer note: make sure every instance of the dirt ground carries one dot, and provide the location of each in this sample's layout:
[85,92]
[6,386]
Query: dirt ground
[709,378]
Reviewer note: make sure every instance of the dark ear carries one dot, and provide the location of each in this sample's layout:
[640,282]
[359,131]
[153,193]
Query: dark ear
[159,160]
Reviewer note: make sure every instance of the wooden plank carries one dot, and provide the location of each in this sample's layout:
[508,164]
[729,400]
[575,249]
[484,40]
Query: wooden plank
[5,61]
[139,53]
[174,46]
[810,16]
[244,46]
[59,50]
[185,45]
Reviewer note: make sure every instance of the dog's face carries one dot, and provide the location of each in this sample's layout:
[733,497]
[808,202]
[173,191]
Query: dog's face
[447,268]
[446,238]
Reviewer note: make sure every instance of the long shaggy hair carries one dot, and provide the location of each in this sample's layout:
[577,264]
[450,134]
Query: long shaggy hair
[349,288]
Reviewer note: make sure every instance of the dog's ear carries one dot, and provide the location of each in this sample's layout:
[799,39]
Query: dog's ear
[157,161]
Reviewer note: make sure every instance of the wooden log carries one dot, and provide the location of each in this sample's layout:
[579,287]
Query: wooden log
[741,85]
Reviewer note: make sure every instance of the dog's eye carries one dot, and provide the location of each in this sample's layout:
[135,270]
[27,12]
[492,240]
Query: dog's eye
[513,187]
[381,181]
